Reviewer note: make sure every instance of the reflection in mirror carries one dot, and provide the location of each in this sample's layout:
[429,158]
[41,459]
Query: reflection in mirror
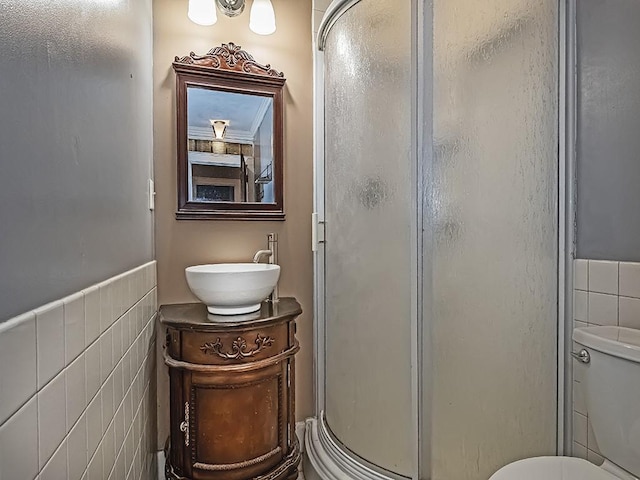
[230,146]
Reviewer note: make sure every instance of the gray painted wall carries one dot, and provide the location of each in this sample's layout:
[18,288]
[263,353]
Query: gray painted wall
[75,145]
[608,147]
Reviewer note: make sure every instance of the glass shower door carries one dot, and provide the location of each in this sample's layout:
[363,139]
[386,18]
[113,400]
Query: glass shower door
[494,258]
[370,217]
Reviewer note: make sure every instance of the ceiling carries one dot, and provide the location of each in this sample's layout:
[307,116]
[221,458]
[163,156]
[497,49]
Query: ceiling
[244,112]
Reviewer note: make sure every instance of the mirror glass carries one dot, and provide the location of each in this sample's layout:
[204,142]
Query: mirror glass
[230,147]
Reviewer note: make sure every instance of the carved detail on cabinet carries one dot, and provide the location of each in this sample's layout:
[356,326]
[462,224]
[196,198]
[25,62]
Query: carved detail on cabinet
[234,466]
[291,461]
[238,348]
[192,424]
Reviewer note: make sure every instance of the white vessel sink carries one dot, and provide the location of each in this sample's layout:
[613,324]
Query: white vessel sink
[232,288]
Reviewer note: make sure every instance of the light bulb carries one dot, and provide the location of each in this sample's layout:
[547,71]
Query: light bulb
[263,19]
[202,12]
[219,128]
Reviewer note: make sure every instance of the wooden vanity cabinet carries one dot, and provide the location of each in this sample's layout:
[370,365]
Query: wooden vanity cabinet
[232,388]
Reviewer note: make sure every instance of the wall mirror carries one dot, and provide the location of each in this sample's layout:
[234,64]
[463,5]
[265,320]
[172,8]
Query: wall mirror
[230,136]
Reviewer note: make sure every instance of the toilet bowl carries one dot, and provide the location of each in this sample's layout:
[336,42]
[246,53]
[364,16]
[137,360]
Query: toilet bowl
[611,358]
[552,468]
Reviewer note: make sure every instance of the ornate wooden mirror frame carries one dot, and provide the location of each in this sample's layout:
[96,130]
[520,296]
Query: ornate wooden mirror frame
[229,69]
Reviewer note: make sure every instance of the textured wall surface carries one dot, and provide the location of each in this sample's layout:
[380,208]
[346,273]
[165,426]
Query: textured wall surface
[75,146]
[608,146]
[183,243]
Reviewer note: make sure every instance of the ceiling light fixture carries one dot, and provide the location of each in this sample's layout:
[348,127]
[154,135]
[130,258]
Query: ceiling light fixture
[262,19]
[231,8]
[219,128]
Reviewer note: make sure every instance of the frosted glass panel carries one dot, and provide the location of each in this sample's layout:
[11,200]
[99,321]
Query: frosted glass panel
[494,214]
[369,215]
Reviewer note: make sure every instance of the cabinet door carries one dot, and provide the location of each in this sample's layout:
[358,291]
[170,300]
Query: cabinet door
[237,423]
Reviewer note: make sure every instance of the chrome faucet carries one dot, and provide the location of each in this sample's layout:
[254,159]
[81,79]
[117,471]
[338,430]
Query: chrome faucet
[262,253]
[272,253]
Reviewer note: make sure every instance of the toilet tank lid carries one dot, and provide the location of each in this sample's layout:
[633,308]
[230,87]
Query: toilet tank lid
[620,342]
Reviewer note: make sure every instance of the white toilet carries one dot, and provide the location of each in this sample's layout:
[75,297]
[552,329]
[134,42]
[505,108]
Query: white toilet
[612,392]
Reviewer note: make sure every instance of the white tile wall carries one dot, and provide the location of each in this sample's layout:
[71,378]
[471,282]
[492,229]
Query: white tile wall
[91,314]
[581,275]
[603,277]
[49,341]
[580,428]
[77,385]
[19,443]
[56,467]
[77,449]
[580,305]
[605,293]
[76,390]
[602,309]
[74,326]
[17,363]
[629,312]
[52,424]
[630,280]
[579,451]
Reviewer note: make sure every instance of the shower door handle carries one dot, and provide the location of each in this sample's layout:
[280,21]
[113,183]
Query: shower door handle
[317,232]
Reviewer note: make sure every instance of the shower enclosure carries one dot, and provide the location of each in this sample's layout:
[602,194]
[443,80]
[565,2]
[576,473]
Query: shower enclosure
[437,228]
